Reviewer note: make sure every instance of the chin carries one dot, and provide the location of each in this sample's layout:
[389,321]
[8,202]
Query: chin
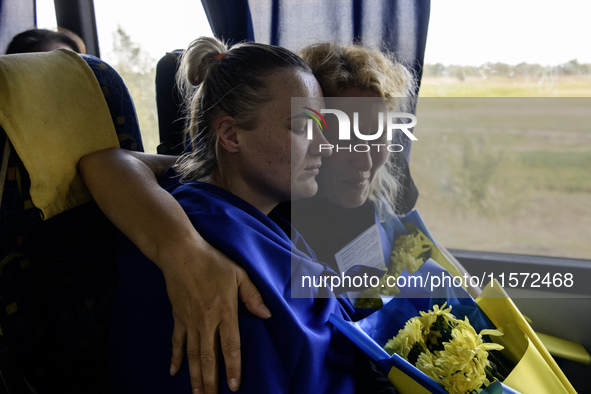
[350,203]
[304,192]
[352,200]
[355,205]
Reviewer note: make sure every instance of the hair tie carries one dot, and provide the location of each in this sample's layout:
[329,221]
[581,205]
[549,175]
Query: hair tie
[218,57]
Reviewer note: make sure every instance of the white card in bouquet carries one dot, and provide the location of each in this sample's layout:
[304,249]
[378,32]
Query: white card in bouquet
[366,250]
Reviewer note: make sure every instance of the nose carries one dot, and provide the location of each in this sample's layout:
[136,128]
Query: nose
[319,145]
[361,161]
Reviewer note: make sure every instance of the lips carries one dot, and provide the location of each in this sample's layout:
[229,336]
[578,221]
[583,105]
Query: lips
[314,169]
[356,183]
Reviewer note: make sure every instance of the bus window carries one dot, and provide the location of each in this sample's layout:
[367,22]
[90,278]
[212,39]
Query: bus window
[506,167]
[45,14]
[134,35]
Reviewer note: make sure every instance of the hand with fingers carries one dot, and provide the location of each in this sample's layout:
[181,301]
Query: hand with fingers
[204,298]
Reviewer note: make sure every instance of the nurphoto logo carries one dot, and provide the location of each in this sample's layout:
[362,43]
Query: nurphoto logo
[387,122]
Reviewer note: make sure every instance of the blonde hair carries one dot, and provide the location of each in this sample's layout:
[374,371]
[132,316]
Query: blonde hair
[216,80]
[339,68]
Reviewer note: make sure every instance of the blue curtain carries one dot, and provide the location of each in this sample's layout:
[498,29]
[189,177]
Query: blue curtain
[396,25]
[15,16]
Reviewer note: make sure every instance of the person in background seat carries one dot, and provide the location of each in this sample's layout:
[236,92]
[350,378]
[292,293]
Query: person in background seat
[45,40]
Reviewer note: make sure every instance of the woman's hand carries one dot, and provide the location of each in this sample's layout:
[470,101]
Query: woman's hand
[204,297]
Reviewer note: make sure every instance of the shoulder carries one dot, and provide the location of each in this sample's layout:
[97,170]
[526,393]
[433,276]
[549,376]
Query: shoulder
[206,199]
[222,219]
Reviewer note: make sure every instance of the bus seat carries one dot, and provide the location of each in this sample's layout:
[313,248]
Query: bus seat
[171,122]
[58,276]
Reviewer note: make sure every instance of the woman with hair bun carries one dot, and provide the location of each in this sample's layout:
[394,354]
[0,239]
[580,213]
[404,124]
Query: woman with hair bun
[246,158]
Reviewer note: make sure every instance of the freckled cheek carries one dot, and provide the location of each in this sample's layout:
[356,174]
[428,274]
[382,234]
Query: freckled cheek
[280,159]
[276,152]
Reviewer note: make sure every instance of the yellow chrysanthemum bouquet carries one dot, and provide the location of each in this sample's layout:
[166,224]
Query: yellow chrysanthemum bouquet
[425,362]
[439,339]
[449,350]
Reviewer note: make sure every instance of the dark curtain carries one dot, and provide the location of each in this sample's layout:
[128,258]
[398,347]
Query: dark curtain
[396,25]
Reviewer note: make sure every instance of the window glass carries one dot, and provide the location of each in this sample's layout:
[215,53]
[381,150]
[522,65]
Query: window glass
[45,14]
[507,49]
[510,173]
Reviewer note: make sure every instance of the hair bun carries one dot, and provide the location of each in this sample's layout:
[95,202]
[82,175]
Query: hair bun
[202,54]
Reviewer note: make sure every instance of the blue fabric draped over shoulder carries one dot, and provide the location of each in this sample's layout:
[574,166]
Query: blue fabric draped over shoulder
[295,351]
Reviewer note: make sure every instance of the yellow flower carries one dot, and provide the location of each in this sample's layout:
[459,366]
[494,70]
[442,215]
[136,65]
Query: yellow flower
[431,316]
[409,252]
[426,364]
[369,298]
[386,288]
[432,331]
[459,383]
[464,359]
[459,361]
[413,243]
[443,311]
[410,335]
[403,259]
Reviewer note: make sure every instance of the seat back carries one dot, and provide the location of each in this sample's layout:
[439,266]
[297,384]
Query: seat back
[171,122]
[58,276]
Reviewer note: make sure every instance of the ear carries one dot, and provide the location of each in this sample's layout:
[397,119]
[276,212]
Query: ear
[226,130]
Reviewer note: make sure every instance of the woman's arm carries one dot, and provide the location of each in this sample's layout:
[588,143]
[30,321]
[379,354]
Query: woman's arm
[124,185]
